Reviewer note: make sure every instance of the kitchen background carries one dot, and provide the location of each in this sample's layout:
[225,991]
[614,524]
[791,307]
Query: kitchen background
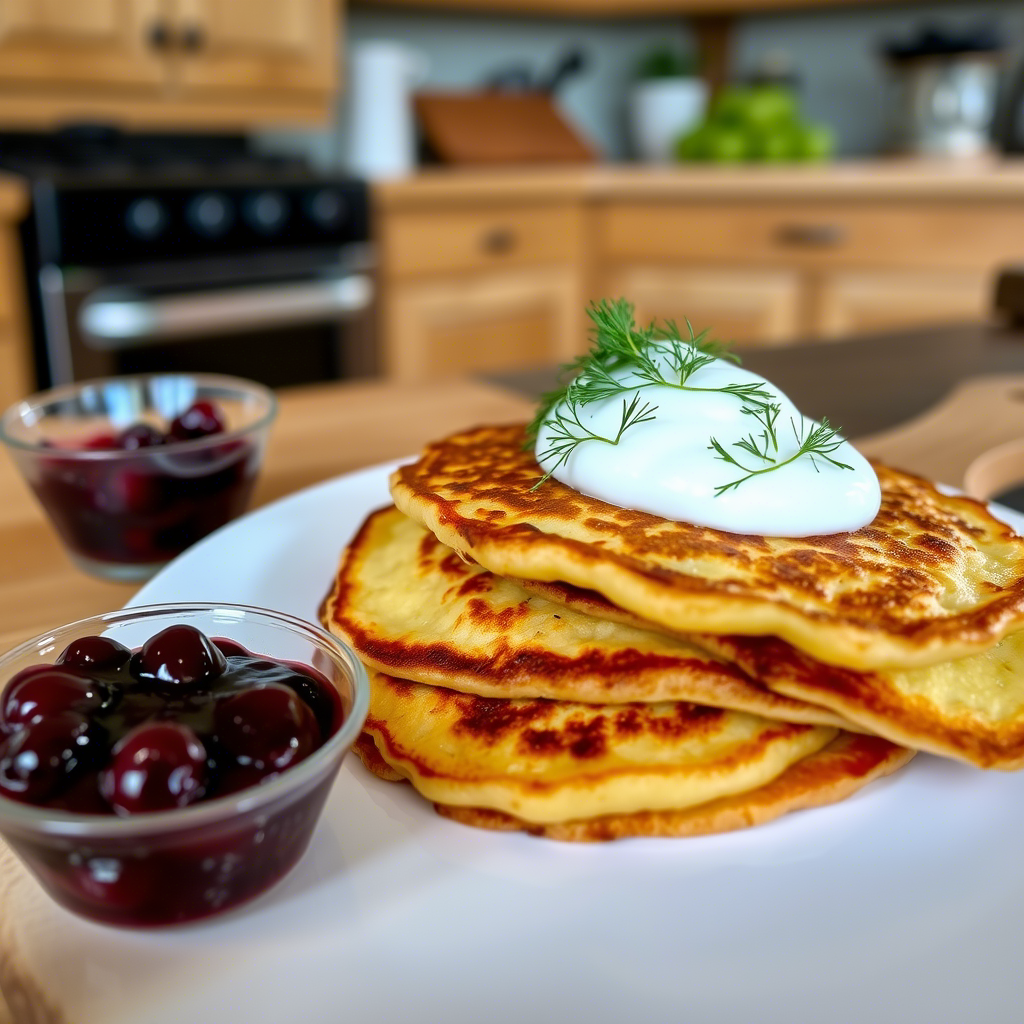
[835,54]
[309,191]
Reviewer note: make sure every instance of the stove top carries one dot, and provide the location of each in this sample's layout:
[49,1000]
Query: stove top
[103,198]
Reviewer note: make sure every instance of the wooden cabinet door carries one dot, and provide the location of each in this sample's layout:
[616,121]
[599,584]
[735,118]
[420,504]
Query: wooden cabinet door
[748,306]
[102,42]
[497,321]
[852,302]
[256,45]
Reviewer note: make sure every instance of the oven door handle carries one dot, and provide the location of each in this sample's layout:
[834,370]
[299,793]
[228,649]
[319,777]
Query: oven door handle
[112,322]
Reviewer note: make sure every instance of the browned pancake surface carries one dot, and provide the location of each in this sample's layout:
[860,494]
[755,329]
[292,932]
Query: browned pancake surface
[410,607]
[932,578]
[846,765]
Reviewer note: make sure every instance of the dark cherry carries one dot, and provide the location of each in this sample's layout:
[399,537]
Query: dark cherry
[94,652]
[200,419]
[102,443]
[315,697]
[269,727]
[179,654]
[156,767]
[136,491]
[230,649]
[139,435]
[33,695]
[154,745]
[37,762]
[121,884]
[147,507]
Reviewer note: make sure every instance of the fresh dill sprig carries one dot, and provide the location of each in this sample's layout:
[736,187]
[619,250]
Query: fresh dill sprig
[618,344]
[564,438]
[624,359]
[819,442]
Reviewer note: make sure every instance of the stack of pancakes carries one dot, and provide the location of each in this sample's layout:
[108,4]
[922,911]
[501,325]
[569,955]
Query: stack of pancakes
[542,660]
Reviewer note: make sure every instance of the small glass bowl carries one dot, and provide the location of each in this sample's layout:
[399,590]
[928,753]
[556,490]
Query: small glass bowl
[122,515]
[169,867]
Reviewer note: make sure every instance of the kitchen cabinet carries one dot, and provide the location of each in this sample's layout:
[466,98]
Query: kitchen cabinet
[17,375]
[480,288]
[104,43]
[762,256]
[763,272]
[179,63]
[861,302]
[759,306]
[481,323]
[256,45]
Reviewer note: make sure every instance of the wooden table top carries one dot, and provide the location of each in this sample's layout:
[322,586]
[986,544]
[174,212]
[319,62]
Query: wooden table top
[326,430]
[321,431]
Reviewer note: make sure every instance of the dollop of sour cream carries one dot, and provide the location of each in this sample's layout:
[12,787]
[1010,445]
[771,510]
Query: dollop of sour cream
[666,466]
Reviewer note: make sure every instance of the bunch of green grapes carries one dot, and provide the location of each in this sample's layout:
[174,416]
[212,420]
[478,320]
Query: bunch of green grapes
[756,123]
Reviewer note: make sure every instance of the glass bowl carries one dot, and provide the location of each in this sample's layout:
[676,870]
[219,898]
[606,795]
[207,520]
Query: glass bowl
[167,867]
[123,514]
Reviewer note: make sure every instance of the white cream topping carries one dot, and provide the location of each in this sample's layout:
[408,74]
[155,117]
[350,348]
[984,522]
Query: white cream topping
[665,465]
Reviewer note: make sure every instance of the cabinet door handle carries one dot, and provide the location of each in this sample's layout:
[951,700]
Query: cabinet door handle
[159,36]
[497,241]
[192,38]
[811,235]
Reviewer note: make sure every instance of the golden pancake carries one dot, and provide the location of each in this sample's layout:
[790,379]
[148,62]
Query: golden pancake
[412,608]
[552,761]
[971,709]
[931,579]
[832,774]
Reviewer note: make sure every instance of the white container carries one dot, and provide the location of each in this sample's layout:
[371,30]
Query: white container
[663,109]
[381,126]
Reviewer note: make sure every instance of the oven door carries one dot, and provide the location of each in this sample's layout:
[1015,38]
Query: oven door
[313,323]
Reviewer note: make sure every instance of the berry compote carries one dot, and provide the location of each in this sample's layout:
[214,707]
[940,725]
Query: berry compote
[145,493]
[181,721]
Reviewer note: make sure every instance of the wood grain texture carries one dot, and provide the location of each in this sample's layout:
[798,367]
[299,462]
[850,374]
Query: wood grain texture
[323,431]
[972,181]
[613,8]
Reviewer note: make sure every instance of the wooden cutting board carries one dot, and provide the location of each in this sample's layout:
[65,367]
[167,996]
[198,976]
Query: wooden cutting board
[498,128]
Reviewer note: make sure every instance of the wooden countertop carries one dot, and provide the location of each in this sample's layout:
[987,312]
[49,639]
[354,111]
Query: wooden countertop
[321,431]
[986,179]
[326,430]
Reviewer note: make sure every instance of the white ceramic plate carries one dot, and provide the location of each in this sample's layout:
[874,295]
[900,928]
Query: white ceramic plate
[902,904]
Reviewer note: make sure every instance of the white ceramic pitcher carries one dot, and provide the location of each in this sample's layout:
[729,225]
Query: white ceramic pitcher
[381,126]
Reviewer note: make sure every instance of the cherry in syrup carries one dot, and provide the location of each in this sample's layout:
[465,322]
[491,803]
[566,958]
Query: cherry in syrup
[94,653]
[41,759]
[43,692]
[179,654]
[156,767]
[201,419]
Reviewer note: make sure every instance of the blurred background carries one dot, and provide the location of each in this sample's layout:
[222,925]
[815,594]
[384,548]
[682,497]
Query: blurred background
[317,190]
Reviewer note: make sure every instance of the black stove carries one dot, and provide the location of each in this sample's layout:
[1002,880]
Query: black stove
[151,218]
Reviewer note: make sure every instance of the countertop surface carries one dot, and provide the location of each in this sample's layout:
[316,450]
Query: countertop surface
[326,430]
[985,179]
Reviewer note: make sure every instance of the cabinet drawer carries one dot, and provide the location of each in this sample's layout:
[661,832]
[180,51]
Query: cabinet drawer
[455,240]
[969,236]
[757,306]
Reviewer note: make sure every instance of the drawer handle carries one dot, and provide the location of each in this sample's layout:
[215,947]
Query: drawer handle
[811,235]
[498,241]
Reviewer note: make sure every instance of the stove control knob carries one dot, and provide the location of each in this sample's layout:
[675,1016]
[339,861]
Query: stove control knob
[267,211]
[325,207]
[145,218]
[210,214]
